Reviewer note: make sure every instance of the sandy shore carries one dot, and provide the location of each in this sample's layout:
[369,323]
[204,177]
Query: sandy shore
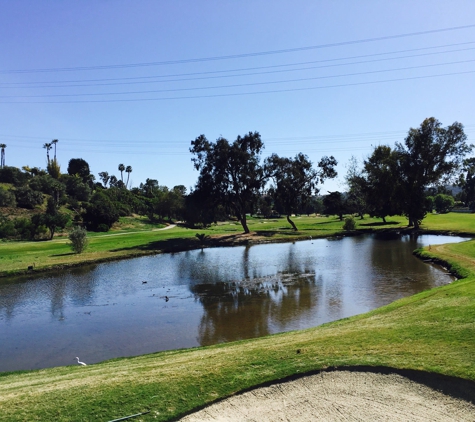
[348,396]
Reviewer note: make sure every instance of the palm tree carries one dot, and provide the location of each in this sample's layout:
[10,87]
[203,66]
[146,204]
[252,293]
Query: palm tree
[47,147]
[2,156]
[121,169]
[128,170]
[54,142]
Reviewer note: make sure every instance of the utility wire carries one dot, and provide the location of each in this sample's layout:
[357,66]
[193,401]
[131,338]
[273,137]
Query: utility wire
[241,93]
[236,56]
[139,79]
[290,140]
[242,85]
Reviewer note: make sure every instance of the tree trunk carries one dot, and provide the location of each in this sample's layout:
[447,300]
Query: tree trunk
[384,220]
[294,227]
[244,223]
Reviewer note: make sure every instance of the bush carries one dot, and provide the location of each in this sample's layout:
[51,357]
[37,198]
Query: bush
[14,176]
[100,213]
[7,228]
[78,239]
[350,223]
[27,230]
[443,203]
[28,198]
[7,198]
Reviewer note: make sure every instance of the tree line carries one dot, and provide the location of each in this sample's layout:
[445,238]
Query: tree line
[234,181]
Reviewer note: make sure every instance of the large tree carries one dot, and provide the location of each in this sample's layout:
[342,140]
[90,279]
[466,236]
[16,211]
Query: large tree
[296,181]
[79,167]
[231,174]
[381,183]
[467,182]
[430,155]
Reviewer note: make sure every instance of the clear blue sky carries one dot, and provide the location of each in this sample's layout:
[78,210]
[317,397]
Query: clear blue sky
[134,82]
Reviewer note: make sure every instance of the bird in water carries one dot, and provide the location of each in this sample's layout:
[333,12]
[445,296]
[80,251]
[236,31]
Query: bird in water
[80,363]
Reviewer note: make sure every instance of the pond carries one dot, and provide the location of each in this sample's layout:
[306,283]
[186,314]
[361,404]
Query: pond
[196,298]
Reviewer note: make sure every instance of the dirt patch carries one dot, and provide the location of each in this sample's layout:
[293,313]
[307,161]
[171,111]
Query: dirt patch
[349,396]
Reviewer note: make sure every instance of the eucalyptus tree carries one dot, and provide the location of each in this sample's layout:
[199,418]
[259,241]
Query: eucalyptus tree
[429,156]
[231,174]
[381,184]
[296,181]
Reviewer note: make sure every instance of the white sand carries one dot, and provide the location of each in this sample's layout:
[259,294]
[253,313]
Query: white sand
[340,396]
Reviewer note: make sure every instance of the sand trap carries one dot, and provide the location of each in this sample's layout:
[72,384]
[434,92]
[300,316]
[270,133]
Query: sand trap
[347,396]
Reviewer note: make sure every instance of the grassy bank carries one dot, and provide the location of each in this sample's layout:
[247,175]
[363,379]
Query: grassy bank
[432,331]
[134,238]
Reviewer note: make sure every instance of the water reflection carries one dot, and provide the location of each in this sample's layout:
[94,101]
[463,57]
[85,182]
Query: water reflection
[213,296]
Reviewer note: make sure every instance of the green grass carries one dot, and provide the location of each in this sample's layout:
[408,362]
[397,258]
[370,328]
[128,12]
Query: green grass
[136,236]
[432,331]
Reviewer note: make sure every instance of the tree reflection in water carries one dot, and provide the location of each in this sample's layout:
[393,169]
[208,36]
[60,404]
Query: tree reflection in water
[254,305]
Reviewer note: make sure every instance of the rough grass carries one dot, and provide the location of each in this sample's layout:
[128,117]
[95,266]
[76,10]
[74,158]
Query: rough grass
[433,331]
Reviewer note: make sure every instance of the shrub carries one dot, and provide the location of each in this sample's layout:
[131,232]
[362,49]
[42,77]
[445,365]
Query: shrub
[7,198]
[28,198]
[7,228]
[78,239]
[350,223]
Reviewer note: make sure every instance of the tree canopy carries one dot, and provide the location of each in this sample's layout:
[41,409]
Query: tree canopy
[296,181]
[430,155]
[231,174]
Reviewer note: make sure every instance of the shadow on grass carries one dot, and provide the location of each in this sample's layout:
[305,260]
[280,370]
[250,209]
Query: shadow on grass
[271,233]
[379,224]
[165,245]
[64,254]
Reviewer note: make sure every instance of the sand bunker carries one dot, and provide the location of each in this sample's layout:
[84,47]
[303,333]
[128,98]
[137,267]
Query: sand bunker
[347,396]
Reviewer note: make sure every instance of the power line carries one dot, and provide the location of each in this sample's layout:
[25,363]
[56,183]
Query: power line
[241,93]
[140,79]
[236,56]
[126,143]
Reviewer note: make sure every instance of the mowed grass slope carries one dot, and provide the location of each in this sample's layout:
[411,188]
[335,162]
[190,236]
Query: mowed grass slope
[432,331]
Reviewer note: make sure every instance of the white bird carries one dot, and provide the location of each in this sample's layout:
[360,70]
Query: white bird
[80,363]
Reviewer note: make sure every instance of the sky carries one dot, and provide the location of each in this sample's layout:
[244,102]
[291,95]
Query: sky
[134,82]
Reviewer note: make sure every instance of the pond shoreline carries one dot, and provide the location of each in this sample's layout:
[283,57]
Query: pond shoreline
[240,239]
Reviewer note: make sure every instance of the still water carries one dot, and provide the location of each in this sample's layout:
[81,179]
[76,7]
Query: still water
[195,298]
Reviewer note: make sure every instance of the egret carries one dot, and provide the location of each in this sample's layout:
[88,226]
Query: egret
[80,363]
